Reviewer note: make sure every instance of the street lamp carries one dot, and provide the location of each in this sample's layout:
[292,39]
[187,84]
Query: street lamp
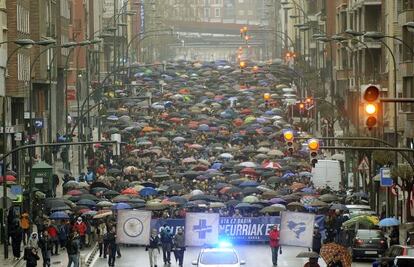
[22,43]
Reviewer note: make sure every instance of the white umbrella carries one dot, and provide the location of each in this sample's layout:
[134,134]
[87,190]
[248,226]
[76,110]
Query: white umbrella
[226,156]
[248,164]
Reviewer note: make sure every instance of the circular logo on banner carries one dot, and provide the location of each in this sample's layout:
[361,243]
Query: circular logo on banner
[133,227]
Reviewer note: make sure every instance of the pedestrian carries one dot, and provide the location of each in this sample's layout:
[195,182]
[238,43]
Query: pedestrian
[46,245]
[153,248]
[274,243]
[112,245]
[166,243]
[16,239]
[100,233]
[313,262]
[72,248]
[53,234]
[179,246]
[394,236]
[316,240]
[335,262]
[25,225]
[63,233]
[31,257]
[55,183]
[80,227]
[33,240]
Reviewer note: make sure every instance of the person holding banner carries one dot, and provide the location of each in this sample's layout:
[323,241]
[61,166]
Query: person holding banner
[274,243]
[179,246]
[153,248]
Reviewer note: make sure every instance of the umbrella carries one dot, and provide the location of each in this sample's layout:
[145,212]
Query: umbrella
[103,214]
[277,200]
[366,220]
[121,206]
[295,206]
[338,206]
[104,204]
[148,191]
[86,202]
[59,215]
[307,254]
[249,183]
[250,199]
[387,222]
[226,156]
[248,164]
[129,191]
[273,208]
[330,250]
[155,206]
[328,198]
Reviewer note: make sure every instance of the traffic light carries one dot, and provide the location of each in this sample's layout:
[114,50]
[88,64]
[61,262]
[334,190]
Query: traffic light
[289,137]
[313,146]
[301,107]
[370,101]
[242,64]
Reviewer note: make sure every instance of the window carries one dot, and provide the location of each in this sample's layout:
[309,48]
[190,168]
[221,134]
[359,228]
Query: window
[217,2]
[250,12]
[23,67]
[207,12]
[217,12]
[22,19]
[408,92]
[241,12]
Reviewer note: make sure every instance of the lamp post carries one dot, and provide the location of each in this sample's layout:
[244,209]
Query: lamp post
[21,43]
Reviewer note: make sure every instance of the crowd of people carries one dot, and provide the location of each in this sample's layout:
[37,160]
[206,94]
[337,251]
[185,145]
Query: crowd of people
[207,141]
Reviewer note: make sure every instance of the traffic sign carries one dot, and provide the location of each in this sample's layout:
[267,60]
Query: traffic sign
[386,179]
[363,166]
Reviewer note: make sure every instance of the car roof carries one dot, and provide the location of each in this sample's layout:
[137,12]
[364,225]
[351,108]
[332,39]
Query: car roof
[405,257]
[358,207]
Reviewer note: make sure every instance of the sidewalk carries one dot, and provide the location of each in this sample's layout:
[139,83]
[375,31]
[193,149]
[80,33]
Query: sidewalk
[60,260]
[10,261]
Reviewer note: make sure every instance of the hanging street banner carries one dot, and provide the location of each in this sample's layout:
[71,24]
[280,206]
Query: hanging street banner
[133,227]
[252,229]
[296,229]
[201,228]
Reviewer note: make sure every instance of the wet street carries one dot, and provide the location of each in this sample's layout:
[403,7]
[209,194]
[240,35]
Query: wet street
[254,255]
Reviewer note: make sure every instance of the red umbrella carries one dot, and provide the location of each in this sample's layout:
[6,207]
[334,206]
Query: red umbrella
[9,178]
[129,191]
[246,111]
[175,120]
[238,122]
[249,171]
[74,192]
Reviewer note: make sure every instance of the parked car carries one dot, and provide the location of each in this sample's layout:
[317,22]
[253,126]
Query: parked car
[356,210]
[368,243]
[394,251]
[404,261]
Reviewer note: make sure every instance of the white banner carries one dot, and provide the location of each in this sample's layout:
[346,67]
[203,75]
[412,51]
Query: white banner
[133,227]
[296,229]
[201,228]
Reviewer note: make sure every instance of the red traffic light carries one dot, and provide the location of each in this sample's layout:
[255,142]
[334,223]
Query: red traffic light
[371,93]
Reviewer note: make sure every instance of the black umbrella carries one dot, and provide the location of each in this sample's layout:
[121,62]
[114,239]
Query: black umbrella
[250,190]
[210,198]
[114,171]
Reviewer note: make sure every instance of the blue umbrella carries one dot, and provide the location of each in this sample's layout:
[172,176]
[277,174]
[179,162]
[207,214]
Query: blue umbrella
[217,166]
[148,191]
[249,183]
[203,127]
[287,175]
[387,222]
[308,190]
[59,215]
[121,206]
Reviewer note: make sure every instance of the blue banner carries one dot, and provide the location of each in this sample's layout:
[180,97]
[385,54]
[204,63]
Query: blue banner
[238,229]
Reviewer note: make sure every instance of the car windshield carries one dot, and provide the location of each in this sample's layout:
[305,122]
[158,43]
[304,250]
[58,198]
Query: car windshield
[369,234]
[410,252]
[218,257]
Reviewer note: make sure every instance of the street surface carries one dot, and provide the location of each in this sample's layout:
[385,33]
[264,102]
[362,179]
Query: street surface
[254,255]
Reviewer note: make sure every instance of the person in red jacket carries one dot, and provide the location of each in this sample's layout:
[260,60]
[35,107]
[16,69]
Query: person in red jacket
[80,227]
[53,234]
[274,243]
